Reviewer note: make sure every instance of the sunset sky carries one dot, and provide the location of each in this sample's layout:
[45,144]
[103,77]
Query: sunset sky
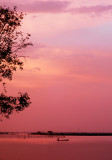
[68,71]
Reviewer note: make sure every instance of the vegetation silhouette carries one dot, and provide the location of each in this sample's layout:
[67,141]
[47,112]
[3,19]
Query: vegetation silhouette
[11,42]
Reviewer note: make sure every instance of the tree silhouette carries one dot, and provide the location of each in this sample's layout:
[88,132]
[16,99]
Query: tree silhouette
[11,41]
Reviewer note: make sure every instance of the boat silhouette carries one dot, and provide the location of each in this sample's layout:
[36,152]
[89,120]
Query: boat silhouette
[62,139]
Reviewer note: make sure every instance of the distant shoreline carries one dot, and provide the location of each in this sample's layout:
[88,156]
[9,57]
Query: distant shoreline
[75,134]
[51,133]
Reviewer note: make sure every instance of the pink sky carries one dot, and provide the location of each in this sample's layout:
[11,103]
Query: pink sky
[68,74]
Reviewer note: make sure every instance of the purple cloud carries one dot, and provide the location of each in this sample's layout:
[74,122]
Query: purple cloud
[91,9]
[56,7]
[40,6]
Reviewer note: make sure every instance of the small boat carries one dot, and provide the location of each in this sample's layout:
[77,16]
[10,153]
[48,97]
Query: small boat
[62,139]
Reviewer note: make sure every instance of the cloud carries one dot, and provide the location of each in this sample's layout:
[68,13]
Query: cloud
[91,9]
[37,69]
[40,6]
[33,69]
[56,7]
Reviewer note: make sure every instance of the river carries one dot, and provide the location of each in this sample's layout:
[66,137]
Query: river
[48,148]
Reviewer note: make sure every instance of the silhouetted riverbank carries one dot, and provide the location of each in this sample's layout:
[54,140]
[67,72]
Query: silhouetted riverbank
[73,133]
[51,133]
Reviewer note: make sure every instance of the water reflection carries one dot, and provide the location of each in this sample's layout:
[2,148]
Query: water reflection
[48,148]
[48,139]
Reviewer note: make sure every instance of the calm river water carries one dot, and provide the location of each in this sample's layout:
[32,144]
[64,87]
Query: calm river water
[48,148]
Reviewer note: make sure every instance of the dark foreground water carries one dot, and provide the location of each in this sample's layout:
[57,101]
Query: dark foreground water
[43,148]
